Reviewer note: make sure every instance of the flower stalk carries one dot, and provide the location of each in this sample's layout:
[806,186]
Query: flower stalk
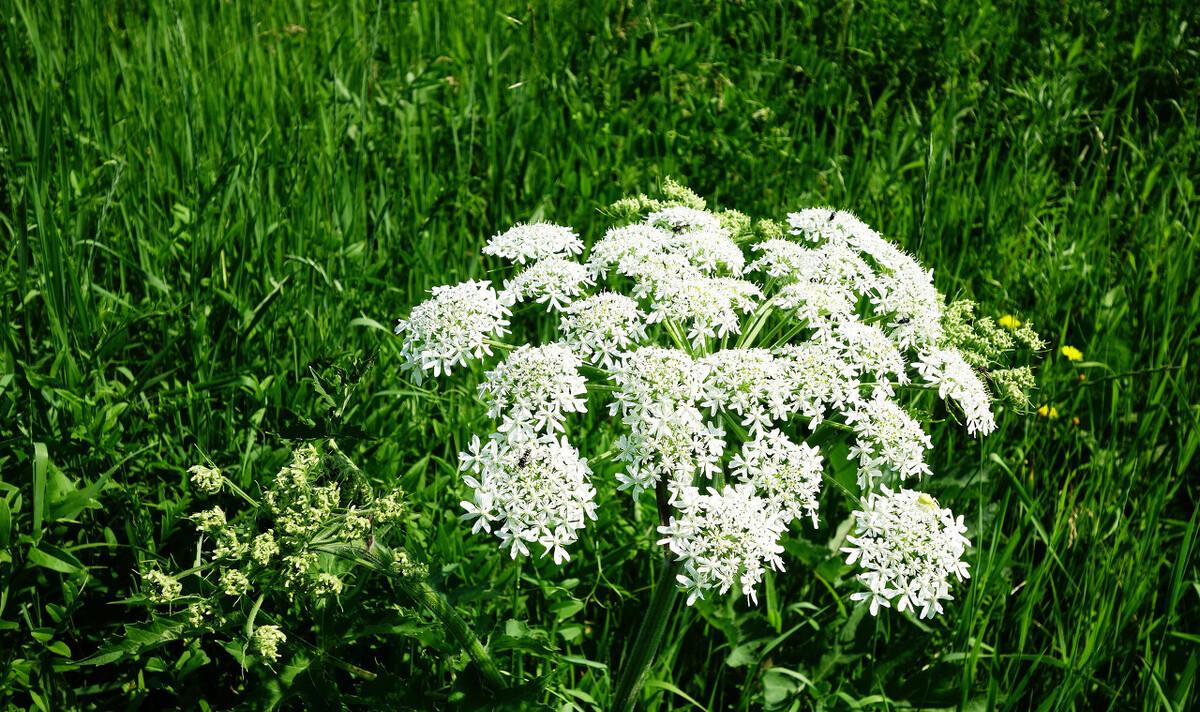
[636,666]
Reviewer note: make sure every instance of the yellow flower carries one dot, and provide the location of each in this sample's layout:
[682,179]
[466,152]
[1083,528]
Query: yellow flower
[1048,411]
[1008,321]
[1072,353]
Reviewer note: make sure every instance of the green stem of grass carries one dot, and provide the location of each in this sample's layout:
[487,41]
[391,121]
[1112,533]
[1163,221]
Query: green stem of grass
[636,666]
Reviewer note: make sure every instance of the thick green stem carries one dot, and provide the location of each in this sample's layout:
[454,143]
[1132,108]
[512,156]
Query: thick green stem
[636,666]
[431,600]
[419,590]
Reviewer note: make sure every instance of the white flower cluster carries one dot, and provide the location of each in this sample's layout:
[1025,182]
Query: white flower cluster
[709,374]
[603,327]
[724,538]
[532,242]
[900,289]
[887,440]
[533,390]
[686,264]
[452,326]
[908,547]
[956,380]
[553,281]
[535,491]
[786,473]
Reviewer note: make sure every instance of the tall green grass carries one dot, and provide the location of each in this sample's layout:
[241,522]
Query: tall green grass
[210,212]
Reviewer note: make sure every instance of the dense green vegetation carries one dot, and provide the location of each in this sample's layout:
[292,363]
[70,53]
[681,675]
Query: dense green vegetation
[210,214]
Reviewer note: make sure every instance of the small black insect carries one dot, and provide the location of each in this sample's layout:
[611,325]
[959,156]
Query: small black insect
[523,460]
[903,320]
[831,214]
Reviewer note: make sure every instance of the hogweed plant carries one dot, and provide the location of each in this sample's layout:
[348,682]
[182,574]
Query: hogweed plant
[734,357]
[278,567]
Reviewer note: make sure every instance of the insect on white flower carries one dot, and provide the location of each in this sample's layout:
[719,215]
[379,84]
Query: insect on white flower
[907,547]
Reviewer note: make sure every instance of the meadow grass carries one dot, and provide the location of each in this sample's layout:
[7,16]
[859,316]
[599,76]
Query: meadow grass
[211,213]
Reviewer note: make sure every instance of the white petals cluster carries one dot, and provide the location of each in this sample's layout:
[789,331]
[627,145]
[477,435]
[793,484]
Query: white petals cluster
[533,390]
[869,351]
[451,327]
[821,306]
[653,374]
[724,538]
[668,443]
[603,327]
[751,383]
[709,306]
[534,241]
[907,547]
[786,473]
[956,380]
[553,281]
[679,218]
[708,373]
[820,378]
[530,492]
[888,440]
[625,249]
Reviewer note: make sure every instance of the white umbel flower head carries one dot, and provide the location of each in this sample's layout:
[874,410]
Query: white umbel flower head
[451,327]
[628,245]
[652,375]
[821,306]
[539,384]
[710,306]
[679,219]
[553,281]
[534,241]
[868,349]
[711,251]
[670,443]
[724,538]
[819,379]
[749,382]
[601,328]
[908,548]
[888,440]
[956,380]
[536,492]
[787,474]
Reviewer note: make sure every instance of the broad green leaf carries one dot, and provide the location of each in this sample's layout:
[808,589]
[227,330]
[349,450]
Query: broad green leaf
[55,559]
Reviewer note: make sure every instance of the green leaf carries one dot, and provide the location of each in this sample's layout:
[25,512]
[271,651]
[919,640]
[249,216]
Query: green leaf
[40,460]
[55,559]
[5,523]
[565,609]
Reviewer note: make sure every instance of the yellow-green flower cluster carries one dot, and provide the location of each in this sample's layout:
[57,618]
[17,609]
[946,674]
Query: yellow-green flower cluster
[985,343]
[208,480]
[319,505]
[266,640]
[161,588]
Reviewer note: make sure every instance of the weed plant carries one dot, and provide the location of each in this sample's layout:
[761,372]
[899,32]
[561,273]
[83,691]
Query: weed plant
[210,211]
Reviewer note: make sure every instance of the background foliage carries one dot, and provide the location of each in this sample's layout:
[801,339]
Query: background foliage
[211,212]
